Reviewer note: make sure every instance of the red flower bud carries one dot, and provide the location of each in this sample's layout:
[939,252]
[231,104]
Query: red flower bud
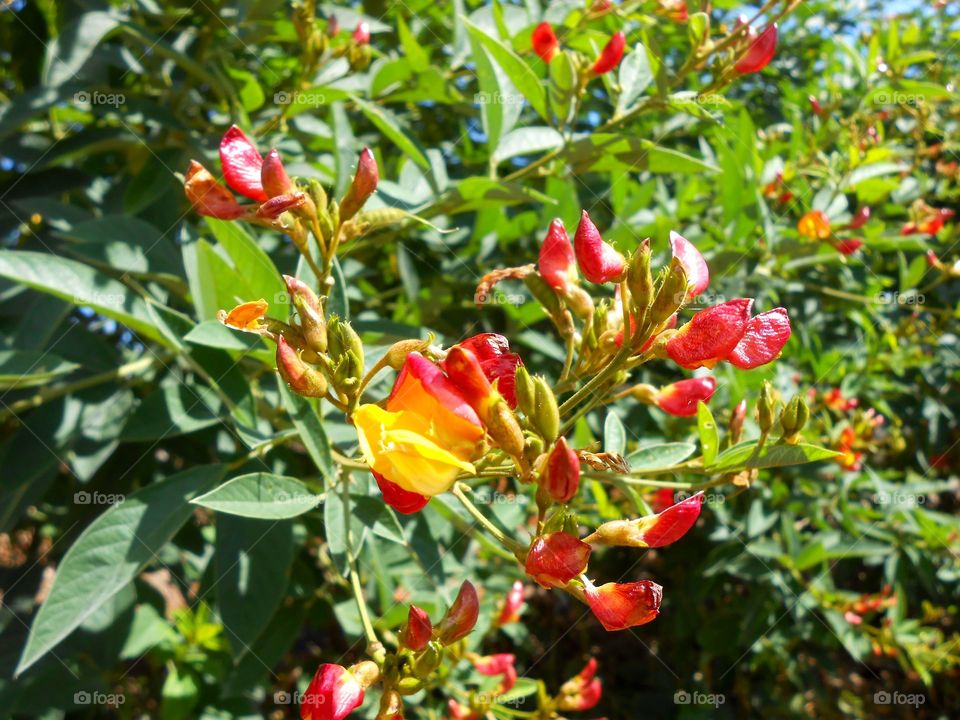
[499,664]
[418,630]
[301,378]
[561,473]
[611,54]
[210,198]
[932,259]
[848,246]
[361,35]
[544,41]
[403,501]
[582,692]
[598,261]
[512,604]
[710,335]
[681,397]
[760,52]
[556,262]
[698,274]
[814,225]
[619,606]
[364,183]
[815,105]
[242,164]
[498,363]
[557,558]
[764,338]
[462,615]
[652,531]
[333,694]
[277,206]
[273,176]
[860,218]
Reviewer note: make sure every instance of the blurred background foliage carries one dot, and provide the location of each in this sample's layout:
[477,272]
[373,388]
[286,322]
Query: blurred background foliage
[801,593]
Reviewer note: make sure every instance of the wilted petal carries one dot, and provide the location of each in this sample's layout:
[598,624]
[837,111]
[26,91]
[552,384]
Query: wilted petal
[418,630]
[210,198]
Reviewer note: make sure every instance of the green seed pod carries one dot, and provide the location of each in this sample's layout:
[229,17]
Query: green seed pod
[546,415]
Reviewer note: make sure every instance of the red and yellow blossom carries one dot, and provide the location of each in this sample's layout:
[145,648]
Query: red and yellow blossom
[681,398]
[619,606]
[544,41]
[426,435]
[652,531]
[556,559]
[498,363]
[814,225]
[333,694]
[583,691]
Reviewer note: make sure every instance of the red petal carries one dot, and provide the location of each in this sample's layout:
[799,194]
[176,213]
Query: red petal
[557,262]
[557,558]
[242,164]
[710,335]
[273,176]
[672,524]
[598,260]
[760,52]
[611,54]
[403,501]
[619,606]
[681,397]
[418,630]
[332,694]
[210,198]
[698,274]
[498,363]
[544,41]
[417,367]
[763,340]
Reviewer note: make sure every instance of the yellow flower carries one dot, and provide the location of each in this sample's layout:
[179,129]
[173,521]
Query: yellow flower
[426,436]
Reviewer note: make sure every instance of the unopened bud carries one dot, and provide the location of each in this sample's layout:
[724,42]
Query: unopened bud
[640,280]
[277,206]
[409,686]
[273,176]
[793,417]
[397,354]
[579,301]
[461,617]
[428,660]
[310,313]
[391,706]
[366,672]
[647,394]
[302,379]
[766,408]
[526,391]
[418,630]
[364,183]
[561,472]
[672,292]
[546,414]
[736,421]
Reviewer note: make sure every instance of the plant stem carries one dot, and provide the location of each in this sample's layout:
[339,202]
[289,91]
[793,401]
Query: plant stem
[511,545]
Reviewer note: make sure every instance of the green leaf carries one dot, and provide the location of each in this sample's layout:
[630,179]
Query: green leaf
[660,455]
[527,141]
[259,272]
[521,75]
[260,495]
[110,553]
[614,434]
[709,436]
[72,48]
[635,75]
[27,368]
[81,285]
[310,426]
[744,456]
[213,333]
[413,52]
[175,409]
[253,559]
[391,126]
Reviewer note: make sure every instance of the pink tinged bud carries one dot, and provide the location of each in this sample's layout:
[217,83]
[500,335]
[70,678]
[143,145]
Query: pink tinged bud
[599,262]
[760,52]
[681,397]
[333,694]
[462,615]
[611,54]
[333,26]
[561,473]
[710,335]
[582,692]
[302,379]
[273,176]
[556,559]
[556,262]
[361,34]
[848,246]
[242,164]
[653,531]
[815,105]
[698,274]
[277,206]
[512,604]
[418,630]
[210,198]
[765,336]
[498,363]
[619,606]
[301,293]
[364,183]
[403,501]
[544,41]
[860,219]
